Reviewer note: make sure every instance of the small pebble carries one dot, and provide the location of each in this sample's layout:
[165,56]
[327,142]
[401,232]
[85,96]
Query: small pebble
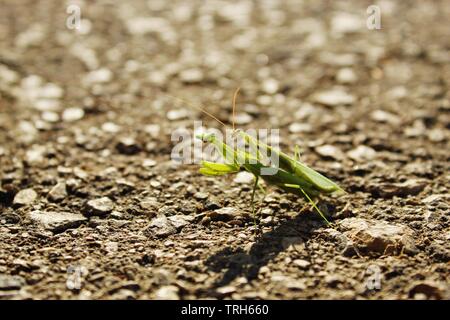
[47,104]
[25,196]
[148,163]
[179,114]
[8,282]
[51,91]
[152,129]
[57,221]
[72,114]
[224,214]
[201,195]
[58,192]
[99,207]
[35,155]
[330,151]
[50,116]
[346,75]
[110,127]
[270,86]
[334,97]
[98,76]
[167,293]
[193,75]
[343,22]
[244,177]
[303,264]
[242,118]
[384,116]
[300,127]
[362,153]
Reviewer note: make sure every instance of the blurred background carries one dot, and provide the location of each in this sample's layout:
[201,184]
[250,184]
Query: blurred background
[87,111]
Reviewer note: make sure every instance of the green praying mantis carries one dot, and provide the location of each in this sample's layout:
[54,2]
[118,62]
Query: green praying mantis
[290,175]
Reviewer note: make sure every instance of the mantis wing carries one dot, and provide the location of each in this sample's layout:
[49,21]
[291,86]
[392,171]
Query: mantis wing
[320,181]
[298,168]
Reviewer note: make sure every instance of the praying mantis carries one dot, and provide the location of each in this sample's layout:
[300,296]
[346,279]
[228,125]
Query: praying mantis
[292,175]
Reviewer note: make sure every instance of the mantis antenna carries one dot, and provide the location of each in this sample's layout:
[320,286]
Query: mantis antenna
[201,109]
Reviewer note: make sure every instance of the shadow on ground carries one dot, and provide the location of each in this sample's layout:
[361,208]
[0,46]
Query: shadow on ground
[242,262]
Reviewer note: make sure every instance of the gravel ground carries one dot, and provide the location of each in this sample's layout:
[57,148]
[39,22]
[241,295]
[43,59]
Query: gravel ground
[92,207]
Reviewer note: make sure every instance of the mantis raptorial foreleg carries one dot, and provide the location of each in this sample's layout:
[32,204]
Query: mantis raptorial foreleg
[297,153]
[309,199]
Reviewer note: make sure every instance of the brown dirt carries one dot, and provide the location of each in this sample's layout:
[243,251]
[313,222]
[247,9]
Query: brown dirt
[390,150]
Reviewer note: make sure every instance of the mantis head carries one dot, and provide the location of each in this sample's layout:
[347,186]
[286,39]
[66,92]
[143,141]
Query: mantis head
[206,137]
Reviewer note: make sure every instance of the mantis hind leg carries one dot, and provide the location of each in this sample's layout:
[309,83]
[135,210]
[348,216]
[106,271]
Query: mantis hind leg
[253,199]
[296,186]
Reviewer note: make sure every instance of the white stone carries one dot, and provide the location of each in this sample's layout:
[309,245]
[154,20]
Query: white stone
[178,114]
[227,211]
[102,75]
[167,293]
[244,177]
[378,236]
[152,129]
[270,86]
[32,36]
[27,132]
[51,91]
[334,97]
[110,127]
[193,75]
[304,111]
[31,82]
[148,163]
[57,221]
[144,25]
[100,206]
[264,100]
[86,55]
[58,192]
[362,153]
[396,93]
[242,118]
[157,77]
[301,263]
[300,127]
[45,104]
[7,75]
[50,116]
[338,59]
[35,155]
[72,114]
[346,75]
[330,151]
[25,196]
[384,116]
[343,22]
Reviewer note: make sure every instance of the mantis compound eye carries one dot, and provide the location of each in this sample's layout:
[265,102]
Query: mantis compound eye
[206,137]
[236,132]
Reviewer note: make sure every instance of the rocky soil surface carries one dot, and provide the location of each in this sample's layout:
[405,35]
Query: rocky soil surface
[93,207]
